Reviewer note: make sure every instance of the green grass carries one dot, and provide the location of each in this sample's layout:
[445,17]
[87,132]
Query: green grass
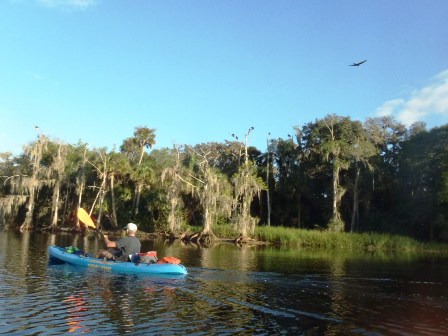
[347,241]
[291,237]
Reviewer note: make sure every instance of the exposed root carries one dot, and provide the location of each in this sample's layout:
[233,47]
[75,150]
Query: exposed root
[246,240]
[202,238]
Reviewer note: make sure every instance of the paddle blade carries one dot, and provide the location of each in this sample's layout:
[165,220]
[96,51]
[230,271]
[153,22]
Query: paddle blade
[84,217]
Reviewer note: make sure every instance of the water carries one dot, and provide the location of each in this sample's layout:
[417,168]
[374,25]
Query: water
[228,291]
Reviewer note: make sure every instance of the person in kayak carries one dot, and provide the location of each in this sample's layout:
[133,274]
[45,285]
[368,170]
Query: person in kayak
[122,248]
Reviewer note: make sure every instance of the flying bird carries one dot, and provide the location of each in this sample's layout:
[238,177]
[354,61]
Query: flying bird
[358,64]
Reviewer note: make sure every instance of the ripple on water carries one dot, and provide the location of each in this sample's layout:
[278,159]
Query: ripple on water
[62,299]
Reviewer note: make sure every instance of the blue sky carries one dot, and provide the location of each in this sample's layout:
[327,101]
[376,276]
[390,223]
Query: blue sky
[197,71]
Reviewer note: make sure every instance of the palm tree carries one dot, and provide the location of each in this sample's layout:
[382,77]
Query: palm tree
[134,148]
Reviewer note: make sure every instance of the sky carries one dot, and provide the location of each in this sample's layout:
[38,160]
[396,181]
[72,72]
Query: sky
[197,71]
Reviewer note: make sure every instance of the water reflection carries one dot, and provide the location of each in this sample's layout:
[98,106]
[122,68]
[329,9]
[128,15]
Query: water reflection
[76,306]
[228,290]
[116,296]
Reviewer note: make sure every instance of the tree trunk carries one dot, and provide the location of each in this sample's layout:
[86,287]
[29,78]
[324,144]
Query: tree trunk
[112,196]
[28,222]
[137,197]
[82,181]
[100,213]
[336,195]
[56,192]
[206,227]
[100,197]
[268,199]
[65,201]
[355,213]
[172,216]
[138,187]
[244,222]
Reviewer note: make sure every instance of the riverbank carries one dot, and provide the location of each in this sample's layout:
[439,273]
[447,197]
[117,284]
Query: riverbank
[299,238]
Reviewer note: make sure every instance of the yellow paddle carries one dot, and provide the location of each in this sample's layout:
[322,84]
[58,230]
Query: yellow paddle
[84,217]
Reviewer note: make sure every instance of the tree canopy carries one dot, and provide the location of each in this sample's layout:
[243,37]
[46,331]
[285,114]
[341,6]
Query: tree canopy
[334,173]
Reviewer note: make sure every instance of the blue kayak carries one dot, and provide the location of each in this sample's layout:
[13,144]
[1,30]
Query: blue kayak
[60,254]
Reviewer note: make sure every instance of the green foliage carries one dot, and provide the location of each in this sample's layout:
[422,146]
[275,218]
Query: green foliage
[246,187]
[344,241]
[377,176]
[336,225]
[225,231]
[423,162]
[442,195]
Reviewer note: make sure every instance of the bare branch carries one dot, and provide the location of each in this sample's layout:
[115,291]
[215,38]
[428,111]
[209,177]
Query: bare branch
[186,181]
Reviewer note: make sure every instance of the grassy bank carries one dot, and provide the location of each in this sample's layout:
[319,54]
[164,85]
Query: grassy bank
[329,240]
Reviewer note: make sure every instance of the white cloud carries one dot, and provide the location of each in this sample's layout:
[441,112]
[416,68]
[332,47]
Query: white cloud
[422,104]
[73,4]
[388,107]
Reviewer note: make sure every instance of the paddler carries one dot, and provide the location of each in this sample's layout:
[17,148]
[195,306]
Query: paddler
[122,248]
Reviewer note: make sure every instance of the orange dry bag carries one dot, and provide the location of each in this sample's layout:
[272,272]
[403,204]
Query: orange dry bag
[169,260]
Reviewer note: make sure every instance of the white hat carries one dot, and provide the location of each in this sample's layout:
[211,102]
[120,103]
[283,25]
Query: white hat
[131,227]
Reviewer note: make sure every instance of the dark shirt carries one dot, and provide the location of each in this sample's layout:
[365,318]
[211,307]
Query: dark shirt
[129,245]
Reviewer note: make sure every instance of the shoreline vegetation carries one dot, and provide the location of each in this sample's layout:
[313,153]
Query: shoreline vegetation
[302,238]
[346,184]
[294,238]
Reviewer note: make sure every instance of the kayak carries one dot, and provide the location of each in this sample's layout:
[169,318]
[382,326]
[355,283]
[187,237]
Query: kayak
[60,254]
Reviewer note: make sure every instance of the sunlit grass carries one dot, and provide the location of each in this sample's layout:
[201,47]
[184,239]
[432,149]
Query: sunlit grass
[292,237]
[348,241]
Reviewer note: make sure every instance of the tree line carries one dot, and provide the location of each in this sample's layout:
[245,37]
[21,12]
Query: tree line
[334,174]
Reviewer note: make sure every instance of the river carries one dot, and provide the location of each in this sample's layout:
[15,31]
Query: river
[228,291]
